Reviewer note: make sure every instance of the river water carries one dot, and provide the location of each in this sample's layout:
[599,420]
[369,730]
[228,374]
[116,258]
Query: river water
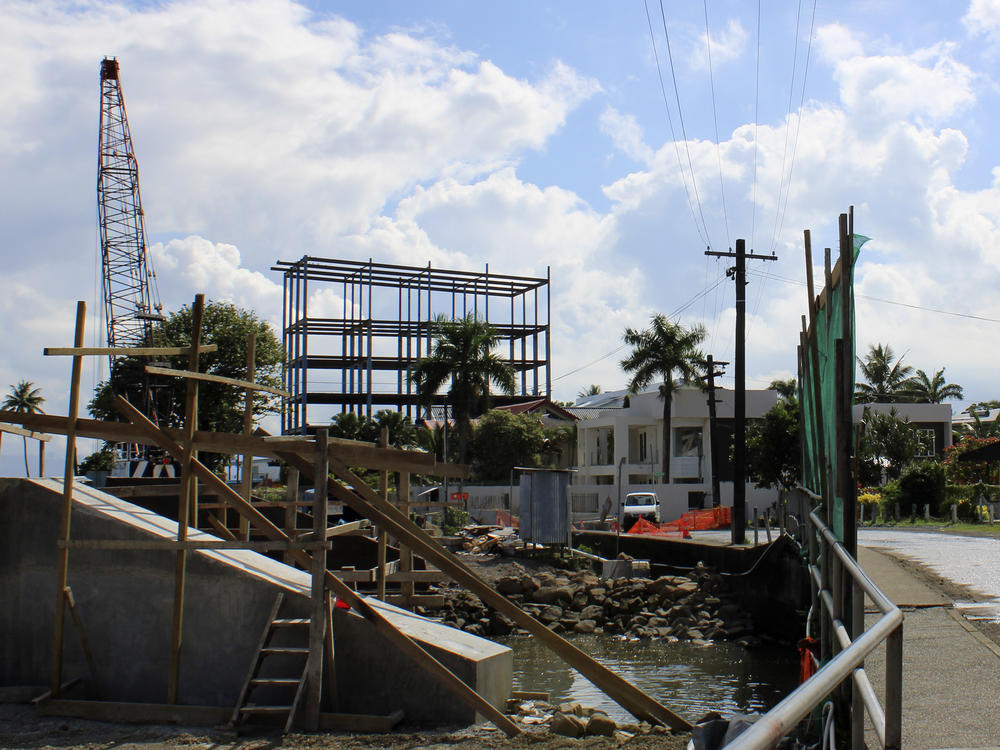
[689,680]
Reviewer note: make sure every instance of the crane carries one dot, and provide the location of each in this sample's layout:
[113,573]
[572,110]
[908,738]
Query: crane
[131,299]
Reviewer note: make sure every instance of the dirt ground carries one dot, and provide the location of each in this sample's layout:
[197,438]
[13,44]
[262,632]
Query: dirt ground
[22,726]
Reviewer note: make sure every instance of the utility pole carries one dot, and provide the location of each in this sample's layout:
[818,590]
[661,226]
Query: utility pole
[739,275]
[713,431]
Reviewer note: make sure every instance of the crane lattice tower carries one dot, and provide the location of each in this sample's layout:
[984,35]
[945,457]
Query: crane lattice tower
[131,300]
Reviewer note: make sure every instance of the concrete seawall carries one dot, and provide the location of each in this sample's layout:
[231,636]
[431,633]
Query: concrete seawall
[125,601]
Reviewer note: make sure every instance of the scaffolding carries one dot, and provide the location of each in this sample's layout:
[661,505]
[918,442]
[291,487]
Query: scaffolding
[362,358]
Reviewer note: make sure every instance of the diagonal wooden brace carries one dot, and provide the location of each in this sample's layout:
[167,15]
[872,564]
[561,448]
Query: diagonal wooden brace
[406,644]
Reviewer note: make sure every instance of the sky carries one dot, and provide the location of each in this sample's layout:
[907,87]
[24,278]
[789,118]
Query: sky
[610,143]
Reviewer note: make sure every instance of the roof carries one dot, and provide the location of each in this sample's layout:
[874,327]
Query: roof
[541,404]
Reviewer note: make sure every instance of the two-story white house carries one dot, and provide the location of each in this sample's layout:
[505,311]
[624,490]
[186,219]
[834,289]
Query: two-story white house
[619,450]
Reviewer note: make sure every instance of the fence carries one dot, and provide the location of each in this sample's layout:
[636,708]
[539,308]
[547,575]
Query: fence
[833,573]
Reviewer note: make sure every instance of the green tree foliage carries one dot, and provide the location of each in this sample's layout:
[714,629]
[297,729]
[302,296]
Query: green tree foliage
[774,446]
[933,390]
[503,440]
[885,441]
[968,472]
[667,352]
[98,460]
[220,407]
[351,426]
[591,390]
[887,379]
[921,483]
[463,355]
[979,428]
[24,398]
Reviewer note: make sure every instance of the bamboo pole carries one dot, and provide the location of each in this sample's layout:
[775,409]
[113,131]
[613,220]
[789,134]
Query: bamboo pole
[319,609]
[188,502]
[383,491]
[246,477]
[69,471]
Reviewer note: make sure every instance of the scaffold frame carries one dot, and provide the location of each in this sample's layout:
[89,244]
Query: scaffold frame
[370,337]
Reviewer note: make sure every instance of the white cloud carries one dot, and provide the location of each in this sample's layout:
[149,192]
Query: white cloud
[626,133]
[983,17]
[727,45]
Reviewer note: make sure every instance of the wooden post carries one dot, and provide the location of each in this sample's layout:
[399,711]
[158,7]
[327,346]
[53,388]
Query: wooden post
[246,477]
[383,491]
[405,552]
[291,509]
[41,459]
[188,501]
[319,608]
[69,472]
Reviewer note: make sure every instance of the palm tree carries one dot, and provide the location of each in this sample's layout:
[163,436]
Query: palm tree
[24,398]
[888,380]
[660,351]
[462,353]
[925,390]
[591,390]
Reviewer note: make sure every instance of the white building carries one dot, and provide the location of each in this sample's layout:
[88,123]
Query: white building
[619,449]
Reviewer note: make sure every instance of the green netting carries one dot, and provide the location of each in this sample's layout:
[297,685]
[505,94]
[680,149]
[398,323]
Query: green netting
[820,424]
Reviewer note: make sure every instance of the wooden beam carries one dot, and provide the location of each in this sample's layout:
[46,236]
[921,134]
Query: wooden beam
[348,528]
[25,433]
[314,668]
[188,500]
[84,643]
[125,351]
[405,551]
[220,528]
[383,491]
[291,508]
[188,544]
[402,641]
[69,471]
[206,377]
[246,476]
[366,502]
[208,716]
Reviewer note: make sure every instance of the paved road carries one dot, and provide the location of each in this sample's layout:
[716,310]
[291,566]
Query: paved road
[951,668]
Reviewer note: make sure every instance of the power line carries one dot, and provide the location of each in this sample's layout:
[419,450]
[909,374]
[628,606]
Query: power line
[680,116]
[756,125]
[923,308]
[715,117]
[670,122]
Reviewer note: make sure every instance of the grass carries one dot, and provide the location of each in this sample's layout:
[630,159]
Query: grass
[938,524]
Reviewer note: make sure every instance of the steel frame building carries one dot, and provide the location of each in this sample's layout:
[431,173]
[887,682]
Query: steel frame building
[384,327]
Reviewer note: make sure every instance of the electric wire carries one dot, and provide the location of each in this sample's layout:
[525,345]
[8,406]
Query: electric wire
[756,123]
[788,117]
[798,117]
[883,300]
[680,117]
[670,122]
[715,118]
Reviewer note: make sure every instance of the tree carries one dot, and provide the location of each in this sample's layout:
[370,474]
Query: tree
[220,407]
[885,442]
[927,390]
[887,379]
[24,398]
[968,472]
[463,354]
[661,351]
[774,449]
[591,390]
[503,440]
[350,426]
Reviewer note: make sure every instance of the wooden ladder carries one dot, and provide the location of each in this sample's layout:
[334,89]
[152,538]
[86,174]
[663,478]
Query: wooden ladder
[245,709]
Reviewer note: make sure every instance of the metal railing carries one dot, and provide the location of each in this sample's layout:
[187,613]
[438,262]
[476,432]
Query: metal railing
[831,569]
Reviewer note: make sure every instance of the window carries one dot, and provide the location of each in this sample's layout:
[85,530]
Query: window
[642,446]
[687,442]
[925,441]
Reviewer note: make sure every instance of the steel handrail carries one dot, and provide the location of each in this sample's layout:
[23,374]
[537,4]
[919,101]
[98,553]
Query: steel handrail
[849,663]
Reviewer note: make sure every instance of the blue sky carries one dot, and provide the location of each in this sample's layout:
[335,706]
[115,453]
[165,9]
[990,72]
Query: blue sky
[525,135]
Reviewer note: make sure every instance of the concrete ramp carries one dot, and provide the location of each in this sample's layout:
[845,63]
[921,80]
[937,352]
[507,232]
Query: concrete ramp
[125,601]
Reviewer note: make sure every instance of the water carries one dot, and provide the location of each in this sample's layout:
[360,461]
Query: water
[690,680]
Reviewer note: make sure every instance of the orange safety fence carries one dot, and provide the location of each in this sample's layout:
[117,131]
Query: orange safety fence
[694,520]
[506,519]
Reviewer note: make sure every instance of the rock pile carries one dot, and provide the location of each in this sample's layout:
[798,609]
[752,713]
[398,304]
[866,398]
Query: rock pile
[692,608]
[574,720]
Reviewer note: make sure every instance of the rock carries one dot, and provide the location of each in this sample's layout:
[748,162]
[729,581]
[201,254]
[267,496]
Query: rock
[574,708]
[592,612]
[553,594]
[550,614]
[509,585]
[567,725]
[585,626]
[500,624]
[657,622]
[598,592]
[570,615]
[529,584]
[600,724]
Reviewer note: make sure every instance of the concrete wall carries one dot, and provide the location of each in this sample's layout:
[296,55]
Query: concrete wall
[125,600]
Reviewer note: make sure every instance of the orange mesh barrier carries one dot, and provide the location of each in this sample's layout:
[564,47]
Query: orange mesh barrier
[694,520]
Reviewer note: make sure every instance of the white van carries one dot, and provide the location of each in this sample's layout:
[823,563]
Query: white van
[640,505]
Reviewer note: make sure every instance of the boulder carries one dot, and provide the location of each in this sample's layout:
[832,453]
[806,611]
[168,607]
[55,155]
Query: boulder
[592,612]
[585,626]
[568,725]
[600,725]
[509,585]
[550,614]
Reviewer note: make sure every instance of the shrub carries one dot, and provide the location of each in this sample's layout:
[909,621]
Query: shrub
[921,483]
